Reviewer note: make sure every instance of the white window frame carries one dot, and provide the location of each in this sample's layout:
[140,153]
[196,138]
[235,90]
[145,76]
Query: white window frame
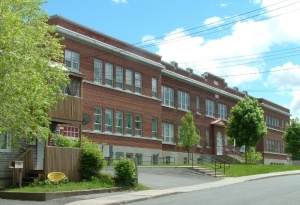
[168,133]
[119,77]
[154,127]
[183,100]
[197,104]
[119,122]
[222,111]
[109,70]
[98,119]
[98,71]
[108,120]
[129,80]
[138,82]
[5,145]
[73,59]
[138,125]
[167,95]
[154,87]
[210,108]
[129,127]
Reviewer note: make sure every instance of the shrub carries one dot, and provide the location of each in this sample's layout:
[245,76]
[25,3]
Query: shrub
[252,156]
[62,141]
[91,160]
[125,172]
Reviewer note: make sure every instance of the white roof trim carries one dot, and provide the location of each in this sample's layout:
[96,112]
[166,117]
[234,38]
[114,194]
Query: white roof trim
[69,33]
[274,109]
[199,84]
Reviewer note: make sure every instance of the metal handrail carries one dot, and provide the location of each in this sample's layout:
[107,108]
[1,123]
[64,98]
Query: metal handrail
[217,162]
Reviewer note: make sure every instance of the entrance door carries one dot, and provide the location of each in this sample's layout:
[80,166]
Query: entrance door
[219,144]
[40,155]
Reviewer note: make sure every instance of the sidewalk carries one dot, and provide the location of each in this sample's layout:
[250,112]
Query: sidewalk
[149,194]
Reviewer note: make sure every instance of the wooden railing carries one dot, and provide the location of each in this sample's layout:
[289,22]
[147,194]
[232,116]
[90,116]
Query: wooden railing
[26,157]
[69,109]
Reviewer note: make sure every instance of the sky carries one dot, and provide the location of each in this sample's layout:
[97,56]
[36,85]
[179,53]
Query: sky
[252,44]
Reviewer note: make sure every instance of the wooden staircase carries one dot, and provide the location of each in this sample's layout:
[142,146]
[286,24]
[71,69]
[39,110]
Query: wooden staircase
[32,176]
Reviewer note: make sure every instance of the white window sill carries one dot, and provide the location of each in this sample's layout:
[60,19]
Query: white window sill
[168,106]
[198,113]
[211,117]
[184,110]
[169,143]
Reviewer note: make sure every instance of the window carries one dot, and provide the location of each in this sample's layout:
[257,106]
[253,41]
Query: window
[222,111]
[119,122]
[108,74]
[70,131]
[272,122]
[129,80]
[210,108]
[97,119]
[155,159]
[4,143]
[119,77]
[119,155]
[73,88]
[199,142]
[197,105]
[138,83]
[207,139]
[273,146]
[138,125]
[108,120]
[167,96]
[129,123]
[98,71]
[139,158]
[168,133]
[183,100]
[72,60]
[154,87]
[154,127]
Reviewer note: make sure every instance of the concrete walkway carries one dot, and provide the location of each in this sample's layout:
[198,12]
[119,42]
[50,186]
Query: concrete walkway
[127,197]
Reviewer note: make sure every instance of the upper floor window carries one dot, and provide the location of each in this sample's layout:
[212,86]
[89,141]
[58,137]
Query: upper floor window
[108,74]
[138,83]
[210,108]
[97,119]
[4,143]
[98,71]
[222,111]
[119,77]
[183,100]
[108,120]
[71,131]
[72,60]
[154,87]
[197,105]
[154,127]
[119,122]
[128,80]
[168,132]
[272,122]
[73,88]
[167,96]
[129,123]
[138,125]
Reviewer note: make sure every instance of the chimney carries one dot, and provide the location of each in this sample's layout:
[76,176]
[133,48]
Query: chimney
[175,64]
[190,70]
[245,92]
[236,89]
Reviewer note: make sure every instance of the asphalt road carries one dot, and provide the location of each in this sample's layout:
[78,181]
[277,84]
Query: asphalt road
[271,191]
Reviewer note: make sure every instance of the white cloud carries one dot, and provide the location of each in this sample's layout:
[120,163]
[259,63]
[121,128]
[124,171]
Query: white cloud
[214,21]
[223,5]
[120,1]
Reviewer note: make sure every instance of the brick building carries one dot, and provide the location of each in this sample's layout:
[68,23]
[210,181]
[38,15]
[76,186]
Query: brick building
[136,101]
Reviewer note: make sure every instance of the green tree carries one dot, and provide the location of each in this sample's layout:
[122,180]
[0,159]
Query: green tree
[291,137]
[30,84]
[246,124]
[187,135]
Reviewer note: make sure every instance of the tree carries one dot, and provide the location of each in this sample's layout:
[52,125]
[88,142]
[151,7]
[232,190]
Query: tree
[291,137]
[30,83]
[246,123]
[187,135]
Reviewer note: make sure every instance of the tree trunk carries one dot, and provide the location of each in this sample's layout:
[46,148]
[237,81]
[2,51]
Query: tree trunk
[188,157]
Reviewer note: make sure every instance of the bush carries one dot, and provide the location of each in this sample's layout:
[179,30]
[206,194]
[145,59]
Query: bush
[62,141]
[91,160]
[125,172]
[252,156]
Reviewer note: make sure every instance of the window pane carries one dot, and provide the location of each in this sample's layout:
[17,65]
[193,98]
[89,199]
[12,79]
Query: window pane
[119,122]
[138,83]
[119,77]
[108,120]
[108,74]
[129,80]
[129,123]
[154,127]
[154,87]
[98,71]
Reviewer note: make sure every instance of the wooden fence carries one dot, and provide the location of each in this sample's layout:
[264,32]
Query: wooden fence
[66,160]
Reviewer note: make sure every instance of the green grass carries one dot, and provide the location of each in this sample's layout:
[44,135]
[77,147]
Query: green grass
[246,170]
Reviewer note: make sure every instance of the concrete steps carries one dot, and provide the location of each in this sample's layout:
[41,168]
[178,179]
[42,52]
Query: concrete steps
[207,171]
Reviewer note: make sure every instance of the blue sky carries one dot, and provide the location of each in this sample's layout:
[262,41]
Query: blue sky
[252,44]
